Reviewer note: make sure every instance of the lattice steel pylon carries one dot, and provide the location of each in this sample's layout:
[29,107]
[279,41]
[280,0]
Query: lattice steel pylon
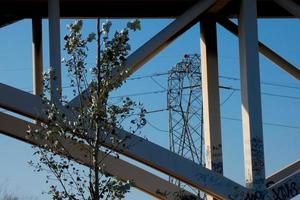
[185,110]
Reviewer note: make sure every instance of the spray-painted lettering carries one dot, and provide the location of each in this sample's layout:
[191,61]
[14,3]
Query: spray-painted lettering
[285,191]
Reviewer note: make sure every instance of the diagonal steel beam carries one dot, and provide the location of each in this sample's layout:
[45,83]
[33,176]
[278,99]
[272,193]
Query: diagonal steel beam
[285,189]
[266,51]
[143,180]
[283,173]
[290,6]
[139,149]
[219,5]
[12,99]
[9,20]
[160,41]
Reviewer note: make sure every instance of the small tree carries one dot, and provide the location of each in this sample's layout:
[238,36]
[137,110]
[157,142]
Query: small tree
[94,120]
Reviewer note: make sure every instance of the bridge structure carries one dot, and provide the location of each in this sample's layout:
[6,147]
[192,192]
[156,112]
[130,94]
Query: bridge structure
[284,184]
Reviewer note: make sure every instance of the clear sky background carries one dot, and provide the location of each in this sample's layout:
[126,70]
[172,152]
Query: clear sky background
[280,99]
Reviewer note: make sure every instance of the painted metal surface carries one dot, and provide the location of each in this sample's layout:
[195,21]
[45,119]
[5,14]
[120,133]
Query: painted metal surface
[210,96]
[150,154]
[54,48]
[285,189]
[251,99]
[290,6]
[123,170]
[134,9]
[37,56]
[282,185]
[281,174]
[139,149]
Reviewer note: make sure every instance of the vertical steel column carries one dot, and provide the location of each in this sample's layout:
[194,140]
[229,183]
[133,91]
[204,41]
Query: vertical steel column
[54,45]
[251,97]
[37,56]
[210,93]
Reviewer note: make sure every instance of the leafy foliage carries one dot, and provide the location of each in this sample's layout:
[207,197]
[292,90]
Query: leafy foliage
[91,121]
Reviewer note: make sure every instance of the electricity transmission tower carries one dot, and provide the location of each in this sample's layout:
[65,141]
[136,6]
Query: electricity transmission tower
[185,110]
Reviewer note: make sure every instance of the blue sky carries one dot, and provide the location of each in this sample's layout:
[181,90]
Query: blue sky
[281,143]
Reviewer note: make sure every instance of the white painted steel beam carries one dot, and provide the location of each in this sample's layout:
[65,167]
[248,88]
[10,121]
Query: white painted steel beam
[160,41]
[251,98]
[290,6]
[210,96]
[283,173]
[266,51]
[143,180]
[54,48]
[139,149]
[37,56]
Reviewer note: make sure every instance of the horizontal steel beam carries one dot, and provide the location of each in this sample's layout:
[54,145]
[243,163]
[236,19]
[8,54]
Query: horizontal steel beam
[266,51]
[158,42]
[134,8]
[139,149]
[143,180]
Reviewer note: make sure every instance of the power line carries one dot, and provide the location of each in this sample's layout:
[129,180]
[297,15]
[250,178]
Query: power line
[148,76]
[263,82]
[273,94]
[265,123]
[139,94]
[229,96]
[188,87]
[223,117]
[157,83]
[156,128]
[239,120]
[221,76]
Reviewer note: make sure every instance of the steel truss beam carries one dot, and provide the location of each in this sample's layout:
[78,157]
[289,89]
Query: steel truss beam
[37,56]
[285,189]
[54,48]
[281,174]
[143,180]
[266,51]
[162,39]
[139,149]
[290,6]
[8,20]
[33,105]
[152,154]
[211,97]
[251,97]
